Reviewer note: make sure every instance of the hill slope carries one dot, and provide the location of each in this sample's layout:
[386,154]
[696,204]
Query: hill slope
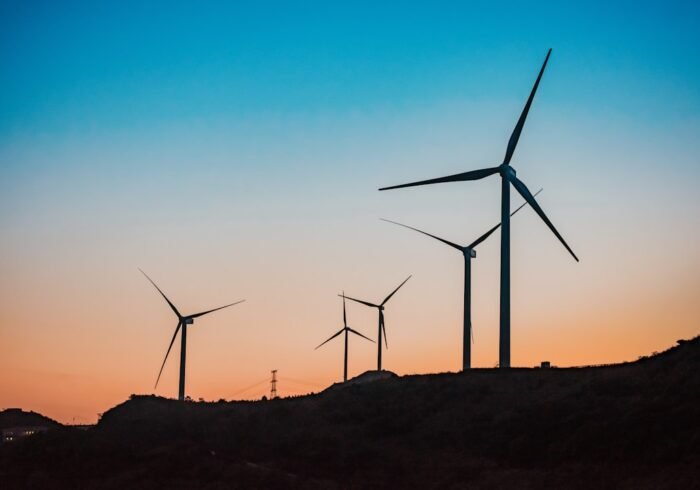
[634,425]
[16,417]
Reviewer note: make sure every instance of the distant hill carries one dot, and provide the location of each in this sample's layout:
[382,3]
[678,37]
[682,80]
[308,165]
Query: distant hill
[630,426]
[16,417]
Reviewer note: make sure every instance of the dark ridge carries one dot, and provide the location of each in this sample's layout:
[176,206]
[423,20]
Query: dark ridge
[630,426]
[16,417]
[366,377]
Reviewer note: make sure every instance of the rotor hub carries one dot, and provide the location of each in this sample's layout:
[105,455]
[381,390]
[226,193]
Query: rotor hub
[507,171]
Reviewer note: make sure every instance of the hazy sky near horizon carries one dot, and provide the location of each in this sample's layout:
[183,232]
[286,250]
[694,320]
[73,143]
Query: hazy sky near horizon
[235,151]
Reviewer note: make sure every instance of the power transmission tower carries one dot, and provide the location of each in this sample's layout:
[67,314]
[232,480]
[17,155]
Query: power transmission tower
[273,385]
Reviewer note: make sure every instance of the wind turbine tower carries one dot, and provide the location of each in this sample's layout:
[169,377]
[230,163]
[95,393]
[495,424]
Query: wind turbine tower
[182,322]
[469,253]
[382,328]
[508,178]
[346,330]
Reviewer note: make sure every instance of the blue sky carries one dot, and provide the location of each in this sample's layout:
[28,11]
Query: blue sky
[75,66]
[168,77]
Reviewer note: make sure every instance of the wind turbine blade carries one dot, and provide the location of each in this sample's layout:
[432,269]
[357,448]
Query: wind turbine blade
[162,294]
[484,236]
[215,309]
[515,136]
[359,301]
[471,175]
[394,291]
[446,242]
[345,317]
[330,338]
[488,233]
[386,342]
[525,192]
[358,333]
[167,353]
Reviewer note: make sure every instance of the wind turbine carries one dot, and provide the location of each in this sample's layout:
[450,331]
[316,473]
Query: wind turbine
[469,253]
[382,328]
[345,330]
[507,173]
[182,322]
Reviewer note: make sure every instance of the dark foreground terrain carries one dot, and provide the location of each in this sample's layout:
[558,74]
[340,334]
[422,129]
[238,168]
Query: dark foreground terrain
[632,426]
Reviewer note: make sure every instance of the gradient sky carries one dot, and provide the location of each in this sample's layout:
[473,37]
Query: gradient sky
[235,151]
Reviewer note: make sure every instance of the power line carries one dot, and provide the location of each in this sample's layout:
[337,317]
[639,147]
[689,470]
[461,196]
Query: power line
[298,381]
[266,380]
[276,378]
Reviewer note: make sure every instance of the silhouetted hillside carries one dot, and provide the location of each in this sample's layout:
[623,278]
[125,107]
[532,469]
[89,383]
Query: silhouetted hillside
[16,417]
[633,425]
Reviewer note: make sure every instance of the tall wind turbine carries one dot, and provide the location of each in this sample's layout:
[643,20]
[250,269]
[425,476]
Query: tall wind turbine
[382,328]
[469,252]
[182,322]
[507,173]
[345,330]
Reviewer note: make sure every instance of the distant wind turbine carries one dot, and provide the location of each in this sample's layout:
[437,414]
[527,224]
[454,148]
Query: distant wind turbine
[182,322]
[469,253]
[508,177]
[382,328]
[345,330]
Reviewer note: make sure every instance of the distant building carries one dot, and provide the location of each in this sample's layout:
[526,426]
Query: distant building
[545,364]
[14,433]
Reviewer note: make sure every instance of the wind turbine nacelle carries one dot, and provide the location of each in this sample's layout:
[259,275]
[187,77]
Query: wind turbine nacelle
[188,321]
[472,253]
